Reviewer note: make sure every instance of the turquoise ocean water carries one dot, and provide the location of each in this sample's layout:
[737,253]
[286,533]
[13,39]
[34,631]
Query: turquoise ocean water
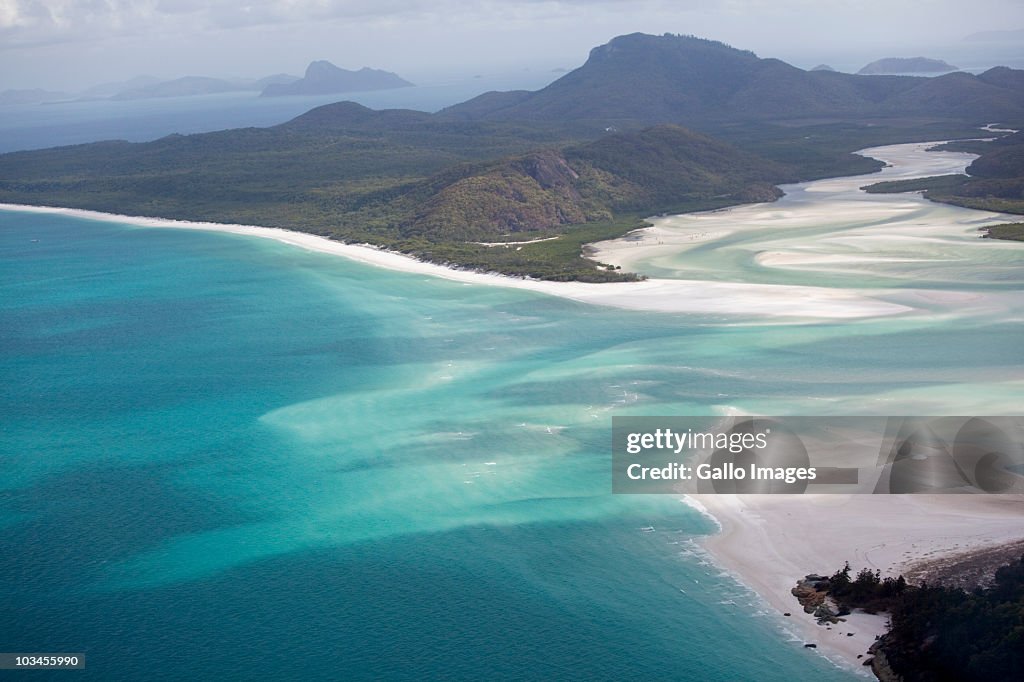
[227,458]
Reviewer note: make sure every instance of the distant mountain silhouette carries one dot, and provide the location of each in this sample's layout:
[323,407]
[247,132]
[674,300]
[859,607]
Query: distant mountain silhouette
[681,79]
[901,65]
[324,78]
[1004,77]
[277,78]
[822,67]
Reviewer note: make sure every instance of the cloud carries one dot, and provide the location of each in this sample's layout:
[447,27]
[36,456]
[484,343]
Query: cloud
[9,14]
[40,21]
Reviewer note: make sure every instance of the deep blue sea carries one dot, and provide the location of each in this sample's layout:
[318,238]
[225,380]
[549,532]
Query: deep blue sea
[227,458]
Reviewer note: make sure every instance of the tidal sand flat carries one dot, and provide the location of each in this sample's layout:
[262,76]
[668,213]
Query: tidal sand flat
[414,466]
[900,249]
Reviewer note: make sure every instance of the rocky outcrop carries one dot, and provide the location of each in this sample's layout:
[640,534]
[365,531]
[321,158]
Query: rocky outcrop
[812,593]
[880,663]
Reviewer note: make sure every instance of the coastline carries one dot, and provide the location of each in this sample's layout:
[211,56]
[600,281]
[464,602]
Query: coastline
[691,292]
[656,247]
[775,301]
[768,542]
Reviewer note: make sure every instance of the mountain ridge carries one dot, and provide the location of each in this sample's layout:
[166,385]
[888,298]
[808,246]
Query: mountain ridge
[684,79]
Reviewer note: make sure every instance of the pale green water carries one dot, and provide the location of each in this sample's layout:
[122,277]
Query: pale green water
[223,455]
[829,233]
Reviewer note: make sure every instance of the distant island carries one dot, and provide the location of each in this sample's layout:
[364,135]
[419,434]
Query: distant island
[900,65]
[321,78]
[324,78]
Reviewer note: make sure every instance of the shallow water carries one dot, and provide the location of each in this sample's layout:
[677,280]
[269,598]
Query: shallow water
[830,233]
[224,456]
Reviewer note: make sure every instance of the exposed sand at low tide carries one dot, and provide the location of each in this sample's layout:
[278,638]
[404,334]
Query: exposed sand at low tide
[656,295]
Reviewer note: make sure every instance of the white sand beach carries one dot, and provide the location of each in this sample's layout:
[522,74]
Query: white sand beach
[818,230]
[768,542]
[656,295]
[711,287]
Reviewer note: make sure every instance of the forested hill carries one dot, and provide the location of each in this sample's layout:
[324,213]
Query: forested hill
[659,169]
[683,79]
[402,179]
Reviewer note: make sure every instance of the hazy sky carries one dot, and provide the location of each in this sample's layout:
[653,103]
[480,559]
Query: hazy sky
[67,44]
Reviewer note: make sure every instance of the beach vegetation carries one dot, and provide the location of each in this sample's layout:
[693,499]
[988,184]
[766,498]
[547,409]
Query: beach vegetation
[993,182]
[941,633]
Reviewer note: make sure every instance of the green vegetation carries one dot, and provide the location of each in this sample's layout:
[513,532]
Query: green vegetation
[407,181]
[969,146]
[939,633]
[820,149]
[1002,196]
[559,259]
[412,182]
[337,170]
[1010,231]
[987,201]
[868,591]
[938,183]
[995,182]
[583,158]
